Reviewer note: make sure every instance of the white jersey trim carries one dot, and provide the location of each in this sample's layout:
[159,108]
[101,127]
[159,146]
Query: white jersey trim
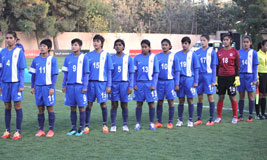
[125,68]
[188,63]
[15,58]
[80,68]
[250,60]
[48,70]
[32,70]
[170,64]
[208,60]
[151,66]
[102,60]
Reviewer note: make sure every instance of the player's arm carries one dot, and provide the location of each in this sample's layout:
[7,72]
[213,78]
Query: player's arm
[177,73]
[155,74]
[65,78]
[196,66]
[109,74]
[237,69]
[22,66]
[85,78]
[255,68]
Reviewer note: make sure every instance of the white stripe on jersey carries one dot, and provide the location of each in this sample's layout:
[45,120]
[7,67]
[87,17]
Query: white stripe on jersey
[170,64]
[65,68]
[15,58]
[250,60]
[188,63]
[32,70]
[48,72]
[103,56]
[125,68]
[208,60]
[80,68]
[151,66]
[1,65]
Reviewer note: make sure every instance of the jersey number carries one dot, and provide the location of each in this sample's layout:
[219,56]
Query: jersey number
[203,59]
[96,64]
[164,66]
[225,60]
[74,68]
[42,70]
[145,68]
[8,63]
[119,68]
[183,64]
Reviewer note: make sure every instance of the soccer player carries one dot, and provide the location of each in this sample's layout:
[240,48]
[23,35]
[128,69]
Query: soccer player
[207,78]
[168,81]
[189,64]
[100,81]
[228,76]
[44,70]
[262,69]
[248,77]
[145,83]
[12,64]
[75,82]
[122,84]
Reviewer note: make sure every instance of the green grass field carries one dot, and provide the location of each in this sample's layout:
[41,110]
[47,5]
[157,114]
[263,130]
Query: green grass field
[222,141]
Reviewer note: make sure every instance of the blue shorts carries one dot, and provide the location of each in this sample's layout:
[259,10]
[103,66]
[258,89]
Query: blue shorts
[166,88]
[204,84]
[186,87]
[144,93]
[74,96]
[245,83]
[119,92]
[10,91]
[42,97]
[97,89]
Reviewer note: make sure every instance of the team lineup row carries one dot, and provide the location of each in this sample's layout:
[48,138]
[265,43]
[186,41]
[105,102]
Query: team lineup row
[99,75]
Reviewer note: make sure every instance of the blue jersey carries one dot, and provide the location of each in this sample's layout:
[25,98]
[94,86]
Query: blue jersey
[207,59]
[11,62]
[168,65]
[248,60]
[100,64]
[145,66]
[44,68]
[123,65]
[76,66]
[188,62]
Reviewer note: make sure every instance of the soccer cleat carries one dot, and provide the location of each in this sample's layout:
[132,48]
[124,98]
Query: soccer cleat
[260,117]
[190,124]
[250,119]
[198,122]
[210,123]
[179,123]
[125,128]
[50,134]
[40,133]
[264,116]
[6,135]
[113,129]
[169,125]
[105,129]
[71,132]
[86,130]
[240,118]
[79,133]
[137,127]
[158,125]
[16,136]
[234,120]
[152,127]
[218,120]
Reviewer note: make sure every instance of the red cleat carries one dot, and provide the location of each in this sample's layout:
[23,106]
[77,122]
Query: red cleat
[158,125]
[198,122]
[40,133]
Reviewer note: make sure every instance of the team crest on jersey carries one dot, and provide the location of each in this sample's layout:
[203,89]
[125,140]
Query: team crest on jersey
[231,54]
[80,62]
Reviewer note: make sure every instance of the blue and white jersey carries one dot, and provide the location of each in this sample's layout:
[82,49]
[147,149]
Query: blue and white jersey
[188,62]
[168,65]
[207,59]
[145,66]
[248,60]
[100,64]
[76,66]
[10,63]
[44,68]
[123,66]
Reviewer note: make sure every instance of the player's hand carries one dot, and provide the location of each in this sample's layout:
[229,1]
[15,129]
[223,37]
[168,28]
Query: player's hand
[254,83]
[64,90]
[237,81]
[135,88]
[33,91]
[176,88]
[130,90]
[0,90]
[21,89]
[152,88]
[195,85]
[51,91]
[84,90]
[108,90]
[213,84]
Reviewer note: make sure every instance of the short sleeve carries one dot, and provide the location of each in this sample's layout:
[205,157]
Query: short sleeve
[156,65]
[65,65]
[196,61]
[255,58]
[176,63]
[214,58]
[54,66]
[22,60]
[33,67]
[86,65]
[135,63]
[130,65]
[109,62]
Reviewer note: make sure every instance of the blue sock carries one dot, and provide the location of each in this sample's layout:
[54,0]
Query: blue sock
[8,119]
[82,120]
[51,118]
[191,111]
[41,120]
[125,116]
[159,113]
[138,114]
[19,119]
[241,107]
[105,115]
[171,113]
[151,114]
[113,115]
[212,109]
[180,111]
[199,111]
[251,107]
[87,117]
[73,118]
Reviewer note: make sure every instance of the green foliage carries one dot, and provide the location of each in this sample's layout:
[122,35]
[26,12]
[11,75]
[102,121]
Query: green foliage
[26,25]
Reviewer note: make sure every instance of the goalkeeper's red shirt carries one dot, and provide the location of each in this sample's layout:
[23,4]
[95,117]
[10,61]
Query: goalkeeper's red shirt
[229,62]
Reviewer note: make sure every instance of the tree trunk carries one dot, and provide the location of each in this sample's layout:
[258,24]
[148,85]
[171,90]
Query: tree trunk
[55,43]
[37,38]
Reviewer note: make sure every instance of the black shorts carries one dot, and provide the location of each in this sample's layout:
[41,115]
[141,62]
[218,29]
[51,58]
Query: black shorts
[226,83]
[263,82]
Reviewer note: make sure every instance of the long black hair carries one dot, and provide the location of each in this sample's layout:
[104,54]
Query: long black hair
[147,42]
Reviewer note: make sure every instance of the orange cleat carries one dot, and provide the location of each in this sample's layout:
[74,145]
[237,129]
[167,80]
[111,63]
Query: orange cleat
[105,129]
[50,134]
[158,125]
[169,125]
[198,122]
[86,130]
[16,136]
[250,120]
[40,133]
[6,135]
[240,119]
[210,123]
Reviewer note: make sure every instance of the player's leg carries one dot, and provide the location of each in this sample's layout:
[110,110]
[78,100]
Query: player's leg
[124,107]
[51,121]
[91,95]
[7,120]
[139,97]
[113,115]
[241,105]
[190,102]
[82,121]
[221,90]
[251,106]
[151,106]
[104,109]
[211,109]
[73,119]
[199,109]
[19,118]
[234,108]
[171,113]
[41,120]
[159,113]
[138,115]
[180,111]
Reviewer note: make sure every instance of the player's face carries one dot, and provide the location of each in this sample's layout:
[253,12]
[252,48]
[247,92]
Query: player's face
[185,45]
[75,47]
[145,48]
[226,41]
[264,47]
[10,39]
[119,47]
[204,42]
[97,44]
[246,43]
[43,49]
[165,46]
